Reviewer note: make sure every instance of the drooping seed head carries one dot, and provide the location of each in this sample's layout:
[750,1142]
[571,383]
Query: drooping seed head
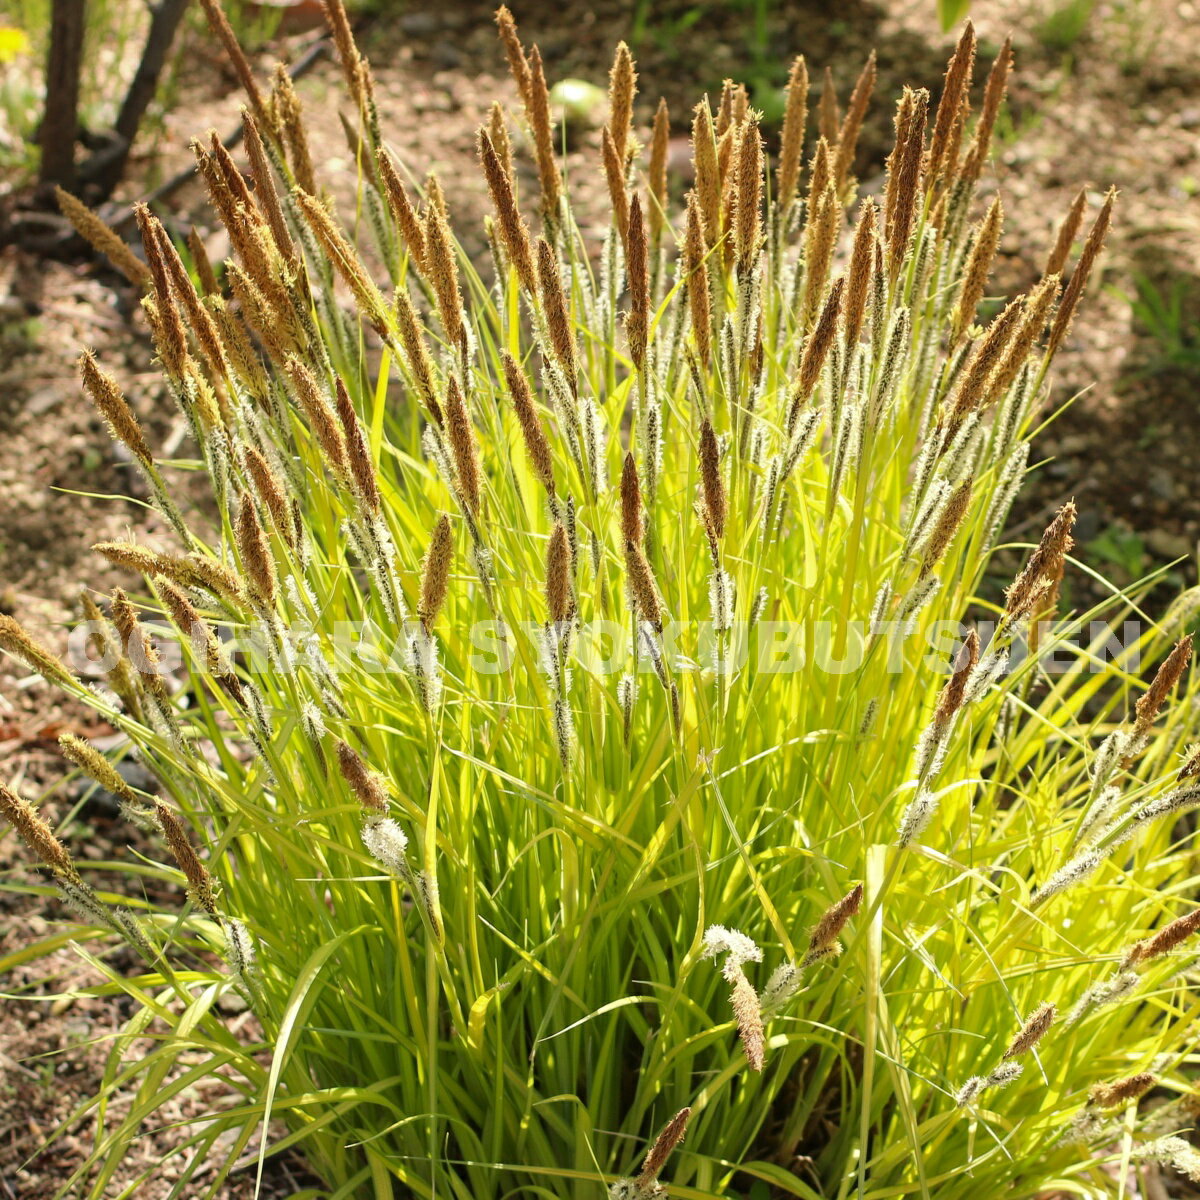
[194,871]
[366,785]
[1111,1095]
[102,237]
[114,408]
[827,930]
[36,834]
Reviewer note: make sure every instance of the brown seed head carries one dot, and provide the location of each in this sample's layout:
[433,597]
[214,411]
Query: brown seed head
[858,286]
[904,174]
[319,416]
[103,238]
[497,130]
[1166,677]
[170,324]
[536,445]
[558,575]
[993,97]
[554,304]
[85,756]
[951,698]
[632,528]
[194,871]
[947,526]
[1067,232]
[1110,1095]
[435,576]
[443,267]
[637,267]
[36,834]
[643,592]
[614,174]
[264,188]
[513,230]
[137,645]
[748,1015]
[517,63]
[1078,281]
[820,175]
[255,553]
[977,270]
[829,118]
[989,351]
[463,447]
[707,172]
[270,492]
[951,110]
[664,1144]
[403,212]
[16,640]
[289,117]
[817,348]
[1035,314]
[856,111]
[1165,940]
[344,259]
[366,785]
[713,485]
[537,110]
[820,242]
[1191,765]
[104,393]
[696,269]
[1031,1032]
[219,24]
[362,466]
[1043,565]
[420,365]
[622,87]
[827,930]
[659,146]
[747,209]
[795,119]
[343,39]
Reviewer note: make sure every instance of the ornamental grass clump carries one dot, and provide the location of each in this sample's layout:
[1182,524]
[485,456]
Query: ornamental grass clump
[559,626]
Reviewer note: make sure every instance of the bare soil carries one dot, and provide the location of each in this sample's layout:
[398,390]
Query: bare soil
[1119,104]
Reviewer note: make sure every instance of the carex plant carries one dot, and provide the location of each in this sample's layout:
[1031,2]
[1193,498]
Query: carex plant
[594,727]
